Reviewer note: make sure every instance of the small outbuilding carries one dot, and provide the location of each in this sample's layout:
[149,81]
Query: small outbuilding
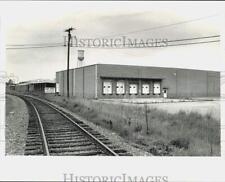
[38,86]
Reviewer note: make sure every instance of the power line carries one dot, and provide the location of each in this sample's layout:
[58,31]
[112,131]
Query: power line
[50,44]
[141,43]
[40,44]
[176,40]
[195,38]
[46,45]
[35,47]
[212,41]
[161,26]
[146,47]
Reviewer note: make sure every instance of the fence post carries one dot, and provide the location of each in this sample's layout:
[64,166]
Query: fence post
[146,118]
[211,148]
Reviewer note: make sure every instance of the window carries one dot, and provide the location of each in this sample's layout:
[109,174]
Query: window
[145,89]
[107,87]
[120,87]
[133,89]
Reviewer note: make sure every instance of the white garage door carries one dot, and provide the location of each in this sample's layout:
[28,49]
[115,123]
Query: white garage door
[57,88]
[156,89]
[107,87]
[133,89]
[145,89]
[49,90]
[120,87]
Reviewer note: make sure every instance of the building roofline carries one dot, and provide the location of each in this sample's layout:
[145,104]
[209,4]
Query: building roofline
[140,67]
[35,82]
[157,67]
[77,68]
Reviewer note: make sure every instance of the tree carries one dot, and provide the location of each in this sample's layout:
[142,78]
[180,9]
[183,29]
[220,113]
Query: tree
[10,82]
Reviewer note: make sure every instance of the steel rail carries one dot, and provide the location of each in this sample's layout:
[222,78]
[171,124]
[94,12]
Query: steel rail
[92,137]
[45,143]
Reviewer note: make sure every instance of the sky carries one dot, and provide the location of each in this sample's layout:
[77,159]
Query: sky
[45,22]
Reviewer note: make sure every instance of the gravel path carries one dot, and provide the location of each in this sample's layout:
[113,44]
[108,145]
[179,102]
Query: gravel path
[16,125]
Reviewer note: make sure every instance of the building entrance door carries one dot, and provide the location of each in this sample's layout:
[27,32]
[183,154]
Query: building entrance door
[165,92]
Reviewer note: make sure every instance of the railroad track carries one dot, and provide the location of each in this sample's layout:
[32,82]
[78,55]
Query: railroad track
[54,132]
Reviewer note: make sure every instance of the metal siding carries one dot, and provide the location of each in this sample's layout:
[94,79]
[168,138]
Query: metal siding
[213,84]
[180,82]
[89,81]
[61,83]
[70,82]
[79,82]
[57,77]
[31,88]
[64,83]
[62,80]
[191,83]
[96,81]
[85,82]
[74,82]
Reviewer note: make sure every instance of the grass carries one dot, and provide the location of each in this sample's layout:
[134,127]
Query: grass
[180,134]
[185,133]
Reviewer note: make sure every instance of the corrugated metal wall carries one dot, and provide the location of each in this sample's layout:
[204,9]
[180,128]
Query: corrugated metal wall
[191,83]
[180,82]
[82,82]
[213,84]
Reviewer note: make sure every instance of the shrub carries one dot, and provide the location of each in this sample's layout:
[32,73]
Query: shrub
[180,143]
[138,128]
[160,148]
[140,140]
[124,133]
[91,114]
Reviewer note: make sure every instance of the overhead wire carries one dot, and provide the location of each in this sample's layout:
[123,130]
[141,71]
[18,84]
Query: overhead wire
[42,45]
[38,44]
[146,47]
[161,26]
[34,47]
[168,41]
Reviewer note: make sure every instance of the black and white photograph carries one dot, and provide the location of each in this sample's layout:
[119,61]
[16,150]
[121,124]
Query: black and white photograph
[121,83]
[85,79]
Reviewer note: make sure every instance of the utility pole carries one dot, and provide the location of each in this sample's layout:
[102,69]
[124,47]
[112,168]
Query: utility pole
[68,59]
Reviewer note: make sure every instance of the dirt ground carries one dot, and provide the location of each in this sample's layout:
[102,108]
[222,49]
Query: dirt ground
[200,105]
[147,100]
[16,125]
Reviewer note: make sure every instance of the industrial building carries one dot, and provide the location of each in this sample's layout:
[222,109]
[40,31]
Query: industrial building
[37,86]
[125,81]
